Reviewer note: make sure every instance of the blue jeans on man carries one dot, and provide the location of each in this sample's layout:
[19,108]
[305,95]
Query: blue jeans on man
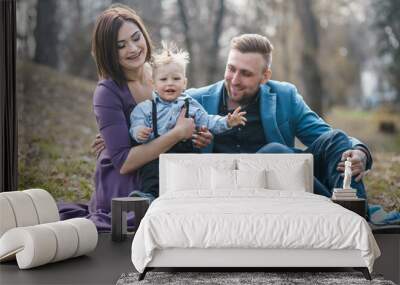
[327,151]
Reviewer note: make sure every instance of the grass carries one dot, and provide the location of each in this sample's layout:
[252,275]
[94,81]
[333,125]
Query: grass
[56,127]
[364,125]
[383,182]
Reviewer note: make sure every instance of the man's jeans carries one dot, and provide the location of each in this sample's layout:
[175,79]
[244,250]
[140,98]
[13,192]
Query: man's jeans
[327,151]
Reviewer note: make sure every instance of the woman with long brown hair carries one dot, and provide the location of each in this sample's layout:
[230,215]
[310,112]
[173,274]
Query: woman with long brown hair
[122,50]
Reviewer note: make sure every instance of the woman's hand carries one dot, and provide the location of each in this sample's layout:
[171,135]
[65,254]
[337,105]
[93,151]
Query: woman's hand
[202,138]
[98,145]
[184,126]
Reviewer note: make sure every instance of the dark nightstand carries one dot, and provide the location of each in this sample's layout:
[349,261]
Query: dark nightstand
[357,205]
[119,208]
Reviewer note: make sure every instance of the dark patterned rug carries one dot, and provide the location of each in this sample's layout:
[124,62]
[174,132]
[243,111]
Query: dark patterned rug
[269,278]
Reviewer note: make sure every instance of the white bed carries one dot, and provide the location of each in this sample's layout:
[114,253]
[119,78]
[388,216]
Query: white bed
[247,210]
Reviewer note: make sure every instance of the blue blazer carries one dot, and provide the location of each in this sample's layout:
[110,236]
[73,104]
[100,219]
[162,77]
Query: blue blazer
[284,114]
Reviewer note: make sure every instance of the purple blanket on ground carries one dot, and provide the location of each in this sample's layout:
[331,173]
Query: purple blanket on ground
[101,218]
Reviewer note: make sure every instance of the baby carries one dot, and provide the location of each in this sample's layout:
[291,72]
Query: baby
[156,117]
[170,81]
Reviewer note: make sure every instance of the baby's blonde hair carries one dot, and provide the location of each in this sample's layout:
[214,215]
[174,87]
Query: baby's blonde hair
[170,53]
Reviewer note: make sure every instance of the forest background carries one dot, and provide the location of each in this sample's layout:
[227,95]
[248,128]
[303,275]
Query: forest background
[343,56]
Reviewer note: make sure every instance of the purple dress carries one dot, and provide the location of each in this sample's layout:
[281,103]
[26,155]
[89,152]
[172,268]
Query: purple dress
[112,106]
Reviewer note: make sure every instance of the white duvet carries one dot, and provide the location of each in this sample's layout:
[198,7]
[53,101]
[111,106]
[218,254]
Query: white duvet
[256,218]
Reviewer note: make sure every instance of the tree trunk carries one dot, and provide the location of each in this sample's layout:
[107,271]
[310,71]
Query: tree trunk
[285,39]
[78,52]
[150,11]
[46,33]
[214,50]
[310,68]
[188,40]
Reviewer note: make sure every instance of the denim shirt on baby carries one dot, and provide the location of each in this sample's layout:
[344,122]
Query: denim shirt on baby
[168,113]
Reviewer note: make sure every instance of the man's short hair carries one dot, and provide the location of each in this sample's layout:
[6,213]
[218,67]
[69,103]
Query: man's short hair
[254,43]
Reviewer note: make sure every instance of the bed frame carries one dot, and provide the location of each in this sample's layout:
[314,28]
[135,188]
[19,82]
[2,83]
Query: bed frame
[250,258]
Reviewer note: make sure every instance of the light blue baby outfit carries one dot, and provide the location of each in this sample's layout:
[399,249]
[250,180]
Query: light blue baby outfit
[168,113]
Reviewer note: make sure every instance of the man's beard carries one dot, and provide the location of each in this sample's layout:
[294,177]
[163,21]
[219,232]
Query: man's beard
[246,97]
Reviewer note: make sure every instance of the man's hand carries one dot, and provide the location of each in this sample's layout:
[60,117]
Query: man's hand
[236,118]
[98,145]
[202,137]
[358,163]
[144,134]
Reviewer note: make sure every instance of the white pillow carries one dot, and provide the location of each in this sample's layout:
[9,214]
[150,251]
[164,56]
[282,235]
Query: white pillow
[236,179]
[183,178]
[282,174]
[251,178]
[223,179]
[189,175]
[293,180]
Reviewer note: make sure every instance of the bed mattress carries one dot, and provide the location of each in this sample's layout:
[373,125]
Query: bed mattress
[250,219]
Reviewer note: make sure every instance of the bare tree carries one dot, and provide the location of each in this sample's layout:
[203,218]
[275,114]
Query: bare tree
[26,23]
[284,36]
[311,73]
[186,31]
[215,46]
[46,33]
[387,23]
[152,14]
[77,44]
[150,11]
